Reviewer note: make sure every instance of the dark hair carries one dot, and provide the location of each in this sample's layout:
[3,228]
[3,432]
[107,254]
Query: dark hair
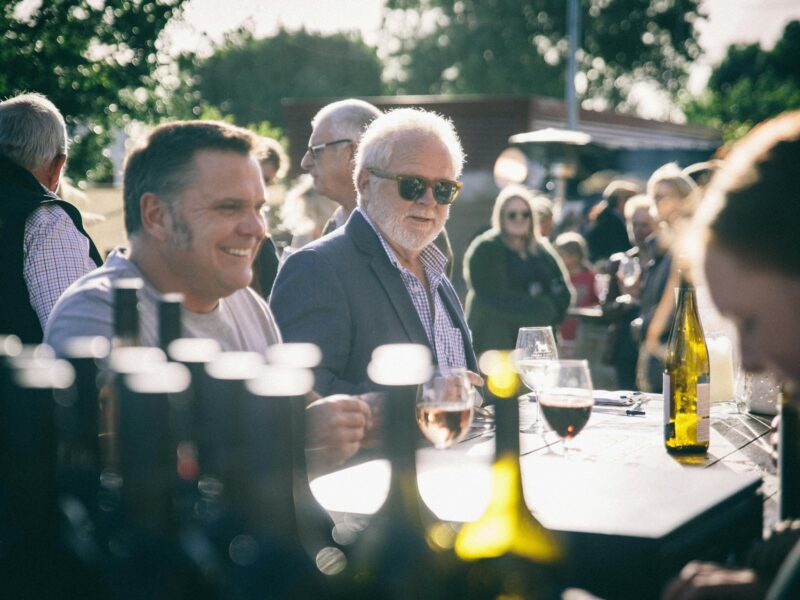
[270,151]
[754,199]
[163,164]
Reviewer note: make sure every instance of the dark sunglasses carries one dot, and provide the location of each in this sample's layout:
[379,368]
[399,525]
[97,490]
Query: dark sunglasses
[412,187]
[317,148]
[513,214]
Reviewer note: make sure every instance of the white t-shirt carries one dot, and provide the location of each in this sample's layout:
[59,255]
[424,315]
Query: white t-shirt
[242,321]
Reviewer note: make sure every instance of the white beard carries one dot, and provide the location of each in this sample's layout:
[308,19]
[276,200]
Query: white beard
[391,225]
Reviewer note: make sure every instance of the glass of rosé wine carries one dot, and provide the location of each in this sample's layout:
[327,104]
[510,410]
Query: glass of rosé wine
[445,406]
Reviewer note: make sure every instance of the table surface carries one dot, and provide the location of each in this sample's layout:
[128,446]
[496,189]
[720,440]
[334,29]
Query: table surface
[617,485]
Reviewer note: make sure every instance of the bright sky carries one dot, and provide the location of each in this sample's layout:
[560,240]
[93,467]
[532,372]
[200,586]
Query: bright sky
[729,21]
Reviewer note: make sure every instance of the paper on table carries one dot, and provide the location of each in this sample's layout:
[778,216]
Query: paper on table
[615,397]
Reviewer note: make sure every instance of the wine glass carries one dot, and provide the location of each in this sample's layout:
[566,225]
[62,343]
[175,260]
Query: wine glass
[445,406]
[602,281]
[629,272]
[536,348]
[566,399]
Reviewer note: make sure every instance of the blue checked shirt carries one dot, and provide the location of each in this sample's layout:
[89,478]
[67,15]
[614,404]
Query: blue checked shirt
[444,338]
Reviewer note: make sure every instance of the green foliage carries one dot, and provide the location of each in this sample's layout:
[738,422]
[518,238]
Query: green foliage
[520,46]
[97,61]
[248,77]
[750,85]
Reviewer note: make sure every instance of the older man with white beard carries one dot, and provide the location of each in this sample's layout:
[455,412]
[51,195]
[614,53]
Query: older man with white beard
[379,279]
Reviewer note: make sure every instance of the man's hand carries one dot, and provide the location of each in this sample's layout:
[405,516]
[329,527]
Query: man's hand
[335,428]
[709,581]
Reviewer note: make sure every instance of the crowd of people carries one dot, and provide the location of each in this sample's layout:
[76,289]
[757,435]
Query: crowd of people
[378,270]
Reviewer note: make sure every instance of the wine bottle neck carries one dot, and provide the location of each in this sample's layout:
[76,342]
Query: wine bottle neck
[506,415]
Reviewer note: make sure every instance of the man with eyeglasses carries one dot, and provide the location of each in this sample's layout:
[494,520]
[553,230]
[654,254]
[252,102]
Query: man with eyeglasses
[380,279]
[329,159]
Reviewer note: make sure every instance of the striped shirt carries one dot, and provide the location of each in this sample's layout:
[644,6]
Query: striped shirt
[55,254]
[445,339]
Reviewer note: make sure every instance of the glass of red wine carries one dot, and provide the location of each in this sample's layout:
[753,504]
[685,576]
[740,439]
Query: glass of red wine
[445,406]
[566,401]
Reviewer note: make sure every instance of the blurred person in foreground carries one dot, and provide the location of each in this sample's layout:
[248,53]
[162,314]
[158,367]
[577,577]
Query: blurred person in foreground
[606,232]
[748,225]
[571,247]
[193,194]
[274,165]
[514,276]
[675,196]
[380,279]
[43,245]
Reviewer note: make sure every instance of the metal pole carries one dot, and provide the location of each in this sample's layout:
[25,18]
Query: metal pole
[573,33]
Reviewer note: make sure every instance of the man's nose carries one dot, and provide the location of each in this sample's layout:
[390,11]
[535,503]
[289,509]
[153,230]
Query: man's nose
[307,161]
[254,224]
[427,198]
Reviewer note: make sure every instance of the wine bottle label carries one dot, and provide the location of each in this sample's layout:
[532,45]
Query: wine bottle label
[703,408]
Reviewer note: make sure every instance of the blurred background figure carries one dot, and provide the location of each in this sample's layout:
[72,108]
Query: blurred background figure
[755,280]
[675,196]
[702,173]
[514,276]
[625,271]
[544,212]
[571,247]
[606,232]
[274,165]
[305,213]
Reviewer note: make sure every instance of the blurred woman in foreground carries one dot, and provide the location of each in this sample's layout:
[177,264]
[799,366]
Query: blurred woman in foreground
[513,274]
[750,224]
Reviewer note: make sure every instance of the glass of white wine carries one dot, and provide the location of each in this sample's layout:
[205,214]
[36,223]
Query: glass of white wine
[536,349]
[566,399]
[445,406]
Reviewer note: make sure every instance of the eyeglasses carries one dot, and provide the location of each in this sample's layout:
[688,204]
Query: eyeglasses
[317,148]
[412,187]
[513,215]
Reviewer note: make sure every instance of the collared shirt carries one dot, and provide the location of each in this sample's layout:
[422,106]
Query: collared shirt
[444,338]
[55,254]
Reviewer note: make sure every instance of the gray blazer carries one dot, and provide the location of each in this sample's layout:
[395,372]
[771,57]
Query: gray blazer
[342,294]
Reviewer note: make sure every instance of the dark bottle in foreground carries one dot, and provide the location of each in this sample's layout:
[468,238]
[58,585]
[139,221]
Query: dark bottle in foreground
[170,324]
[245,456]
[508,553]
[687,371]
[126,312]
[288,381]
[397,555]
[148,558]
[37,556]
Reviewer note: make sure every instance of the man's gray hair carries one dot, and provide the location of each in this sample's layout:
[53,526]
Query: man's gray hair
[377,144]
[32,131]
[348,118]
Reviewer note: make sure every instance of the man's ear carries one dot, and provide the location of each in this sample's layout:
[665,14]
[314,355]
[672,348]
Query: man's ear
[362,181]
[54,172]
[156,220]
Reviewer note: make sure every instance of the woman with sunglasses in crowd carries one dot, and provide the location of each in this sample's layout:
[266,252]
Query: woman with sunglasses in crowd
[514,276]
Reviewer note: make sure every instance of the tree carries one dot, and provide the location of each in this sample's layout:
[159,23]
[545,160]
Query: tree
[520,46]
[749,85]
[96,60]
[248,77]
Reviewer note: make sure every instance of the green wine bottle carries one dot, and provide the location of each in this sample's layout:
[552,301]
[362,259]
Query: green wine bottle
[686,379]
[509,553]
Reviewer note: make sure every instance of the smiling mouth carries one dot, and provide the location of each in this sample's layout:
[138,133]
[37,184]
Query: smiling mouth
[239,252]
